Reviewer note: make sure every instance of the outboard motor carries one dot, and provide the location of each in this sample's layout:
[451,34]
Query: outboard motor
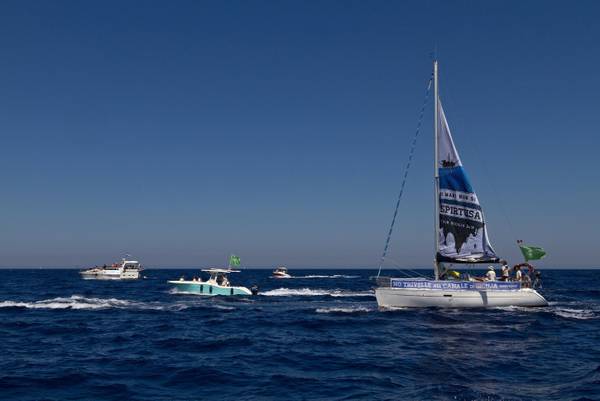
[254,290]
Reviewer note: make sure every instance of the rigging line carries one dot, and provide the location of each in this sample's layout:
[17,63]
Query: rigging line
[497,196]
[489,182]
[407,168]
[403,270]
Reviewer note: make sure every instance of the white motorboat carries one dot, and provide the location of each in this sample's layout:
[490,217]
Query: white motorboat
[460,238]
[124,270]
[281,272]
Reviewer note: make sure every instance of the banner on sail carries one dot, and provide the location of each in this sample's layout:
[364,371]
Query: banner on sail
[455,285]
[462,236]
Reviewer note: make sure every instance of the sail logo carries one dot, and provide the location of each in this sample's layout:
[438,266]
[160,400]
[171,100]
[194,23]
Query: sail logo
[459,196]
[462,235]
[461,212]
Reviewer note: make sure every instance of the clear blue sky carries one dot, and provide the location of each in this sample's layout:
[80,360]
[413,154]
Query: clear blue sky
[183,131]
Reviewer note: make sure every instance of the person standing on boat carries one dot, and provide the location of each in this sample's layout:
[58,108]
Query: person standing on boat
[537,281]
[491,274]
[505,271]
[526,280]
[518,274]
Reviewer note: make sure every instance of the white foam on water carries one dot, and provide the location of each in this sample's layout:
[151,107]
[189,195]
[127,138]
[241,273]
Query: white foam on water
[81,302]
[326,276]
[338,293]
[289,292]
[581,314]
[223,307]
[574,310]
[514,308]
[392,308]
[311,292]
[355,309]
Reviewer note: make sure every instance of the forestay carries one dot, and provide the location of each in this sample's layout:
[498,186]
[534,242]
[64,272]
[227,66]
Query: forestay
[462,235]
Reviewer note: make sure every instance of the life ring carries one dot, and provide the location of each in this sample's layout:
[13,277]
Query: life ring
[522,265]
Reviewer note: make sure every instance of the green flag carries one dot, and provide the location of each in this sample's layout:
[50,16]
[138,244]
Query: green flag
[532,252]
[234,261]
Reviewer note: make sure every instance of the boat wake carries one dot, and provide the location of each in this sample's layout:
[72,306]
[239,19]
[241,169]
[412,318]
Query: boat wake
[355,309]
[79,302]
[575,310]
[326,276]
[580,314]
[315,292]
[570,310]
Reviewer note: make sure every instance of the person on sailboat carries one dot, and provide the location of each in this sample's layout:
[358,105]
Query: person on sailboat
[526,280]
[537,281]
[491,274]
[518,274]
[505,271]
[448,274]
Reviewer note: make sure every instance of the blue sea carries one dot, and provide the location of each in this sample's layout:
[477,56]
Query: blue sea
[317,336]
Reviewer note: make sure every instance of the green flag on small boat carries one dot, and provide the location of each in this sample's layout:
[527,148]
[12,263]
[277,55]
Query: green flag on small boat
[234,261]
[532,252]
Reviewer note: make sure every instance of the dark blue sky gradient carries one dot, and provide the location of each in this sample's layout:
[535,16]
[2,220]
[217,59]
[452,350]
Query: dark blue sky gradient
[183,131]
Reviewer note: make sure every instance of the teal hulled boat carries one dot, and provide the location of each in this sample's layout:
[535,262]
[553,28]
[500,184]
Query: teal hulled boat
[217,284]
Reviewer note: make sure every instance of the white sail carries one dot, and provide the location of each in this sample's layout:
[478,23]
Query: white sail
[462,235]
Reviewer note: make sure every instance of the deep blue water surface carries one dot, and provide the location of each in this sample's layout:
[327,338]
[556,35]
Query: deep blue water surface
[316,336]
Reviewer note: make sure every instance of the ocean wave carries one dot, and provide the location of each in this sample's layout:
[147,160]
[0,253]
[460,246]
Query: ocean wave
[314,292]
[580,314]
[353,309]
[80,302]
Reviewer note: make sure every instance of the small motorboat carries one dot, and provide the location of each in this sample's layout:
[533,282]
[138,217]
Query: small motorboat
[125,270]
[281,272]
[217,284]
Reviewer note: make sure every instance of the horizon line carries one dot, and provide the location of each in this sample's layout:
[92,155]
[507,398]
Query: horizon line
[291,268]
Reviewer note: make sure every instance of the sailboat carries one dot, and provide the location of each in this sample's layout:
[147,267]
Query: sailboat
[460,238]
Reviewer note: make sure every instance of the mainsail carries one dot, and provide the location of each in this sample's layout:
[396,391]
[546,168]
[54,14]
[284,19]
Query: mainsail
[462,235]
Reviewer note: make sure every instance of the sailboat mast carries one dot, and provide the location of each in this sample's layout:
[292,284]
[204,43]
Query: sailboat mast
[436,178]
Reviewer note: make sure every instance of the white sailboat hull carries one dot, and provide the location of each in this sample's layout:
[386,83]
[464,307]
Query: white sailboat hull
[389,297]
